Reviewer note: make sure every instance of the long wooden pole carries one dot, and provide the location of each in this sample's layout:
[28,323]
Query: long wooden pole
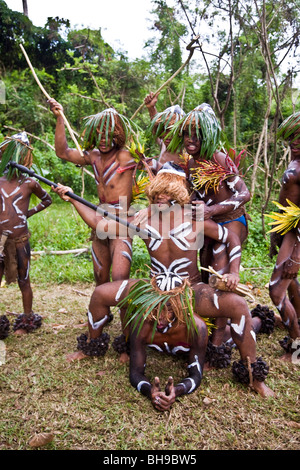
[190,48]
[49,97]
[99,209]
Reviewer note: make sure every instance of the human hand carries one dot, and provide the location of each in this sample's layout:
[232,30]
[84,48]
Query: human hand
[141,217]
[151,100]
[202,210]
[231,280]
[55,107]
[160,400]
[61,191]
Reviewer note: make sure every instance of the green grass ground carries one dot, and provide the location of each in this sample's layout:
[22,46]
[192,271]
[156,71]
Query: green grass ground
[91,405]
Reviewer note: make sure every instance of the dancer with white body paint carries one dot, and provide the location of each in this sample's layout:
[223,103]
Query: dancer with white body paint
[216,183]
[284,286]
[15,194]
[174,277]
[113,168]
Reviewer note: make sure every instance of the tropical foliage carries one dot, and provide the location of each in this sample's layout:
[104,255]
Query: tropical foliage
[244,66]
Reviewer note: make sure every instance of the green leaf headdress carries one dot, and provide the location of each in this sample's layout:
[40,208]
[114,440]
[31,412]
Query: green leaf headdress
[204,121]
[15,149]
[164,121]
[290,127]
[109,123]
[146,302]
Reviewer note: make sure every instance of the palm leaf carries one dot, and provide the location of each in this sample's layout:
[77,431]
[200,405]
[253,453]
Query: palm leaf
[285,220]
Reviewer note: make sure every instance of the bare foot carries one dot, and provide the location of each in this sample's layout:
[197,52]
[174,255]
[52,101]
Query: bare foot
[76,356]
[124,357]
[286,357]
[262,389]
[278,322]
[20,332]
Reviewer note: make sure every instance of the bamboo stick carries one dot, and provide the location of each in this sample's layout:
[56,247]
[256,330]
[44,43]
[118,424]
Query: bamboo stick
[191,49]
[217,282]
[49,97]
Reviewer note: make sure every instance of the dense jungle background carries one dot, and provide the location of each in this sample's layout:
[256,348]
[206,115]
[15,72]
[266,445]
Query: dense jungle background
[246,66]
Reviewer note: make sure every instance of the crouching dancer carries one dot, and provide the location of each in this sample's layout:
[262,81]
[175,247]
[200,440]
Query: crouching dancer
[15,193]
[173,250]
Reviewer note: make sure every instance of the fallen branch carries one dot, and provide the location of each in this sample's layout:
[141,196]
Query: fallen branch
[61,252]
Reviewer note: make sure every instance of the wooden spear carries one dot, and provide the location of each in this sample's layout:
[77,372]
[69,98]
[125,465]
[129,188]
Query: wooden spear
[142,232]
[190,47]
[49,97]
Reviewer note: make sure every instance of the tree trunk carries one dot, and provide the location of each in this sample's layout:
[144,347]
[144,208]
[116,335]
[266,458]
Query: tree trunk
[25,8]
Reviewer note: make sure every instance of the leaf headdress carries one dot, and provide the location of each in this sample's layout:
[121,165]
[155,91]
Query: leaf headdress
[146,301]
[163,122]
[203,120]
[285,220]
[109,123]
[15,149]
[290,127]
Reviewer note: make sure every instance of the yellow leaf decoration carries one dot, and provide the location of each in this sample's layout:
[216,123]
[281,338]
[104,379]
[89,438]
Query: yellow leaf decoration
[209,175]
[285,220]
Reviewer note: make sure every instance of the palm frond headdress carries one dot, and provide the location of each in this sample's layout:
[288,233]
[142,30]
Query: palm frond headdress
[289,129]
[203,120]
[147,302]
[111,124]
[15,149]
[163,122]
[285,220]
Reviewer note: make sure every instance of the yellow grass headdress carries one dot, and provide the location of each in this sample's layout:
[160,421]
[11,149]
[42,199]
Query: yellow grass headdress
[170,180]
[285,220]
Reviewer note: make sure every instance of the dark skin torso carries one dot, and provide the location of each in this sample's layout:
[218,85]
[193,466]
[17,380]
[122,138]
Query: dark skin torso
[14,208]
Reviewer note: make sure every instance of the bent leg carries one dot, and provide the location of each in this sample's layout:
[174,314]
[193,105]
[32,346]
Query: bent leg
[216,304]
[104,296]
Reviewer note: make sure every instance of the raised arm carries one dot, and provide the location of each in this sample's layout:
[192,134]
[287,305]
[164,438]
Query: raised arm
[61,146]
